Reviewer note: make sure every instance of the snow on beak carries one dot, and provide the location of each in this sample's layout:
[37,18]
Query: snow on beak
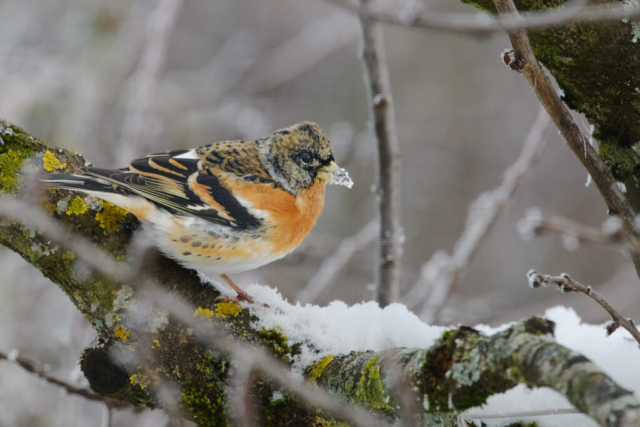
[334,174]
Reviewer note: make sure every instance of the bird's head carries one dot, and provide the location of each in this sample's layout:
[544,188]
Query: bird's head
[298,156]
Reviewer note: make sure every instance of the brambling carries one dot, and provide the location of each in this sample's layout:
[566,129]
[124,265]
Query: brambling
[226,207]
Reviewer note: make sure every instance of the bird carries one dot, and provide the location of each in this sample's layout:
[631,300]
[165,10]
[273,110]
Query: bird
[226,207]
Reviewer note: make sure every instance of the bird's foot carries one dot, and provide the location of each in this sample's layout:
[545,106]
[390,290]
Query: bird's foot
[238,298]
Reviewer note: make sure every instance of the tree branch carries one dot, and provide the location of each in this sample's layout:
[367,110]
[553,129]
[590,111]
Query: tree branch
[376,76]
[535,224]
[566,284]
[480,25]
[153,348]
[29,366]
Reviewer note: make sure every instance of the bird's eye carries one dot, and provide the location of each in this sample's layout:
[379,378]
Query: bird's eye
[305,158]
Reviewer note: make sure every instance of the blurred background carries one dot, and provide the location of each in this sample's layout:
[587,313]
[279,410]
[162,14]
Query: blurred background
[118,79]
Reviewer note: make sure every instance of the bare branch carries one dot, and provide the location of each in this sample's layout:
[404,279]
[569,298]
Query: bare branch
[482,25]
[463,417]
[525,62]
[536,223]
[136,123]
[376,78]
[326,275]
[443,273]
[87,394]
[566,284]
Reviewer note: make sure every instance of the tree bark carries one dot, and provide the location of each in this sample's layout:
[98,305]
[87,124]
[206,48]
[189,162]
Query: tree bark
[147,356]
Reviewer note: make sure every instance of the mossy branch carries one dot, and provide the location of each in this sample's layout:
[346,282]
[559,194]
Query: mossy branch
[148,355]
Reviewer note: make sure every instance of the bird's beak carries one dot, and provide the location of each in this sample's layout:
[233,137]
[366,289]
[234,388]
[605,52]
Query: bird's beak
[334,174]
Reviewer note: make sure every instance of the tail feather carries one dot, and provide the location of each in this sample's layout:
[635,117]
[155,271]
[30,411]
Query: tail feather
[84,183]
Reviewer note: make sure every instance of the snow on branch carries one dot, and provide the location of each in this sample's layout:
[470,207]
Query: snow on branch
[164,339]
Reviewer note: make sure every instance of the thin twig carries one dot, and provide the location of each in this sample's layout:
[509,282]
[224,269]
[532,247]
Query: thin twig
[334,264]
[525,62]
[29,366]
[145,81]
[107,417]
[376,76]
[536,224]
[566,284]
[442,274]
[479,24]
[462,417]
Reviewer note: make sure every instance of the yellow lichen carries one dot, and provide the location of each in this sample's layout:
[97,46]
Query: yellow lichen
[110,217]
[156,344]
[140,380]
[51,163]
[10,162]
[50,208]
[77,206]
[227,308]
[318,368]
[203,313]
[122,333]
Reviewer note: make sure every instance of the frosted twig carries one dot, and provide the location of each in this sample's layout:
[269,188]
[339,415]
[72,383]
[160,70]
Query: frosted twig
[87,394]
[442,274]
[535,224]
[526,63]
[479,24]
[566,284]
[145,79]
[107,417]
[334,264]
[241,402]
[376,77]
[462,417]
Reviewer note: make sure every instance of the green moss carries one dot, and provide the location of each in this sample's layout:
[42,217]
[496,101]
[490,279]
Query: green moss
[623,161]
[370,389]
[277,342]
[68,257]
[111,217]
[321,422]
[10,162]
[318,368]
[205,412]
[76,206]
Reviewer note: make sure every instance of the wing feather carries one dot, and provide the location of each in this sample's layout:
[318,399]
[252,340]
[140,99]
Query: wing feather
[184,186]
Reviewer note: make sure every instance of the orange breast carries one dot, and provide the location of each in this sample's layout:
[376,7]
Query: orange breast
[290,217]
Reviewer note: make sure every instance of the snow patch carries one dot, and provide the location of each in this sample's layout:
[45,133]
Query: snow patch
[338,328]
